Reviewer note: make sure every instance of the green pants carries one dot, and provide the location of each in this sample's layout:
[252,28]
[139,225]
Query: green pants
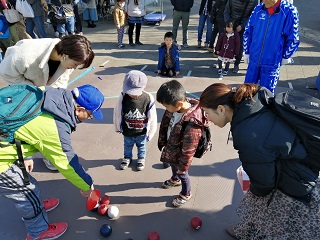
[177,16]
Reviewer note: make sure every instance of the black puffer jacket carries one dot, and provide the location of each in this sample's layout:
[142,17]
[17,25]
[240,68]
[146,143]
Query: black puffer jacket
[203,3]
[266,144]
[182,5]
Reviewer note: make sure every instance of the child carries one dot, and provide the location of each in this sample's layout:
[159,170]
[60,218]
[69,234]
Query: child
[228,46]
[119,18]
[168,63]
[135,117]
[178,148]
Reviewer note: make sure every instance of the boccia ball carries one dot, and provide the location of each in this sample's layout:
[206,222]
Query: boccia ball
[196,223]
[105,230]
[105,200]
[102,209]
[113,211]
[153,236]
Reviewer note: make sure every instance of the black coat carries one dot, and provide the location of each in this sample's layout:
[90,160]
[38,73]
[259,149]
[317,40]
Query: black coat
[203,3]
[182,5]
[270,151]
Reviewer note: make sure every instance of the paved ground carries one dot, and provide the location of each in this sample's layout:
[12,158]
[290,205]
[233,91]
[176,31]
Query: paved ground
[144,205]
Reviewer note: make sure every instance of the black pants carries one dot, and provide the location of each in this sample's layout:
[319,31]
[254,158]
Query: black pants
[239,56]
[130,31]
[169,72]
[218,27]
[226,68]
[78,23]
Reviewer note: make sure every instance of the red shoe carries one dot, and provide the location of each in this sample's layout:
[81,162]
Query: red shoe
[50,204]
[54,231]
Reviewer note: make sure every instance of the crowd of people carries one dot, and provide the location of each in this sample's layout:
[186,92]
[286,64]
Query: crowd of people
[49,62]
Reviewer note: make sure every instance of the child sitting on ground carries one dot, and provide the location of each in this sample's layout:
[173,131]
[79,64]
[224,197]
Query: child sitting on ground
[228,46]
[135,117]
[119,18]
[178,148]
[168,63]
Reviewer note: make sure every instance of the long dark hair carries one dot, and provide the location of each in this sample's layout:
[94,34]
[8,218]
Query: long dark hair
[77,47]
[222,94]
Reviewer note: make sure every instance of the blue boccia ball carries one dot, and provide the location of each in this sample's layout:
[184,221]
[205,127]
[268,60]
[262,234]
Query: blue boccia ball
[105,230]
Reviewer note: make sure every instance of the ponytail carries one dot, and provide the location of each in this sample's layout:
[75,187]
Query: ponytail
[245,91]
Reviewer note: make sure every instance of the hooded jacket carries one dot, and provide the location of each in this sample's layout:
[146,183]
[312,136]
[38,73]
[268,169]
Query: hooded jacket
[228,45]
[27,63]
[270,151]
[179,149]
[49,134]
[175,50]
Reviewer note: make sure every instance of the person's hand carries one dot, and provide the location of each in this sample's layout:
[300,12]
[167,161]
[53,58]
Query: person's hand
[159,71]
[118,26]
[217,52]
[180,172]
[286,61]
[29,165]
[1,33]
[88,192]
[239,28]
[177,73]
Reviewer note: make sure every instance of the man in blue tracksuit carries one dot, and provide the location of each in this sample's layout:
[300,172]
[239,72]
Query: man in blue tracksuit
[271,37]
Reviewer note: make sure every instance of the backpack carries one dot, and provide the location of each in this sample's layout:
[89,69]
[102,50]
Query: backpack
[19,104]
[204,144]
[302,112]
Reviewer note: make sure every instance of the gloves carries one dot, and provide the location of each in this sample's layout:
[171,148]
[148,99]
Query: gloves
[246,58]
[287,61]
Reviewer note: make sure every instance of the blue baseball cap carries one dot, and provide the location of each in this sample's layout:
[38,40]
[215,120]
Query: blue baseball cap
[90,98]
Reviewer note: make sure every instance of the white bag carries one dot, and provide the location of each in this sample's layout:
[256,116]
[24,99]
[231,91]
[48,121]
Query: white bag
[243,179]
[12,15]
[24,8]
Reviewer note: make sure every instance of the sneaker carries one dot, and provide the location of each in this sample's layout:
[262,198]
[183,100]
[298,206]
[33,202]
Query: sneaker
[50,204]
[131,44]
[235,69]
[210,50]
[199,44]
[49,165]
[219,71]
[225,73]
[121,45]
[181,199]
[206,45]
[166,165]
[171,183]
[230,231]
[125,163]
[139,43]
[185,45]
[140,164]
[54,231]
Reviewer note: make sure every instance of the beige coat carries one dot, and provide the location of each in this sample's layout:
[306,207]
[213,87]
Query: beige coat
[119,16]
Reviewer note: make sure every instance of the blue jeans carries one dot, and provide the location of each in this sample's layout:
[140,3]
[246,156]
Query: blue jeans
[185,180]
[38,23]
[203,19]
[67,27]
[27,200]
[140,142]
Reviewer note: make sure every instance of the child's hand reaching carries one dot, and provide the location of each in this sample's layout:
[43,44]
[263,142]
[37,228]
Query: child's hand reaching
[159,71]
[177,73]
[1,33]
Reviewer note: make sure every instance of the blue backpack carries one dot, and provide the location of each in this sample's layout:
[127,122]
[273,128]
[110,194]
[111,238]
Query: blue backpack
[19,104]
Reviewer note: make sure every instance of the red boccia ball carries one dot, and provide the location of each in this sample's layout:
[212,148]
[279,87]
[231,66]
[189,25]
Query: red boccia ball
[153,236]
[196,223]
[105,200]
[103,209]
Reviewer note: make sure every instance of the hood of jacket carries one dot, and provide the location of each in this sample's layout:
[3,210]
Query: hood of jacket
[195,114]
[59,102]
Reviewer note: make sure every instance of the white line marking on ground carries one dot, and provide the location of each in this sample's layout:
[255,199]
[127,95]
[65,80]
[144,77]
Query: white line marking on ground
[144,67]
[102,65]
[189,73]
[290,85]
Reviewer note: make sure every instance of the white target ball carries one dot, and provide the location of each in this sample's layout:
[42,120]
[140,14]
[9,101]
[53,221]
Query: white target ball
[113,211]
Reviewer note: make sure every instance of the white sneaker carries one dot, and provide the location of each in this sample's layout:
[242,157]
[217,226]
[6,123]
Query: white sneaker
[49,165]
[185,45]
[140,164]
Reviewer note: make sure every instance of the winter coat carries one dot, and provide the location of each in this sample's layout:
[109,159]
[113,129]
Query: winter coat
[228,47]
[27,63]
[119,16]
[179,149]
[269,38]
[182,5]
[134,10]
[234,8]
[270,151]
[151,114]
[217,10]
[49,134]
[203,3]
[4,27]
[175,50]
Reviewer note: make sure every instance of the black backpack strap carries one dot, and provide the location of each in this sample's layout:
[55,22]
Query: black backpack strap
[20,163]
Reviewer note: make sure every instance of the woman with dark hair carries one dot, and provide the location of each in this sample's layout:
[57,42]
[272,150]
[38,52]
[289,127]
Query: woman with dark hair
[46,61]
[284,197]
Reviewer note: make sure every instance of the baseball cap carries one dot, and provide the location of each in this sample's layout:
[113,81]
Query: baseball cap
[90,98]
[134,82]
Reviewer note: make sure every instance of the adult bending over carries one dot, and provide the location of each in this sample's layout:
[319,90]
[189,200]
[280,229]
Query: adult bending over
[284,197]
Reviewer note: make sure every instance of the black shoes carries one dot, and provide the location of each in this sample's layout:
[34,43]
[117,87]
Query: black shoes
[139,43]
